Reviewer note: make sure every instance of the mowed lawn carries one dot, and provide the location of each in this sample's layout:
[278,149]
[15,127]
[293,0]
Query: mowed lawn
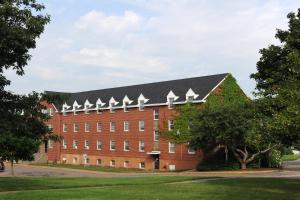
[148,188]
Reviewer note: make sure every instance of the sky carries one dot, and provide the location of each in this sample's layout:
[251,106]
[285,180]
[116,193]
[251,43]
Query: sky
[95,44]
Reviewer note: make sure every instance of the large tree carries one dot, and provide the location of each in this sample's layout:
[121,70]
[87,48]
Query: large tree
[278,83]
[22,117]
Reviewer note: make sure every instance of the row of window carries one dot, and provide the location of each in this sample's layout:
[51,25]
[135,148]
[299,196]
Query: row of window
[126,145]
[112,126]
[99,162]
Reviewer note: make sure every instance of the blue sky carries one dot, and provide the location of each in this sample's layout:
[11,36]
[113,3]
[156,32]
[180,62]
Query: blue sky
[94,44]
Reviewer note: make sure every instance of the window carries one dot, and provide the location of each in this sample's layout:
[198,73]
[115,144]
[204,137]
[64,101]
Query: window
[86,144]
[86,109]
[64,144]
[50,144]
[156,114]
[112,163]
[126,164]
[64,113]
[64,127]
[171,103]
[125,106]
[99,162]
[99,145]
[112,145]
[99,127]
[126,145]
[141,105]
[75,108]
[172,167]
[86,160]
[126,125]
[170,125]
[112,126]
[142,165]
[75,127]
[156,135]
[141,125]
[191,150]
[50,126]
[190,99]
[141,146]
[75,160]
[112,107]
[86,127]
[155,124]
[171,147]
[75,144]
[51,111]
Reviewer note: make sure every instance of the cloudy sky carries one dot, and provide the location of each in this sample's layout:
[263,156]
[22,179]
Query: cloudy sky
[94,44]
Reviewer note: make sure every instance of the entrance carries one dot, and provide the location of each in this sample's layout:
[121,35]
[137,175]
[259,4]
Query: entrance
[156,161]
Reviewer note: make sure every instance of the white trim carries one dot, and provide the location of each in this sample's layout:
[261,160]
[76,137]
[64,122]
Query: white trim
[204,99]
[141,121]
[170,147]
[191,93]
[127,126]
[125,145]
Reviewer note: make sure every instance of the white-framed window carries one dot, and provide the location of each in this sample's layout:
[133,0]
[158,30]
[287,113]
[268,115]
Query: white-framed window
[171,147]
[99,127]
[170,125]
[86,161]
[141,125]
[156,114]
[64,160]
[50,144]
[155,124]
[75,127]
[75,160]
[126,145]
[112,107]
[156,135]
[64,144]
[171,103]
[112,163]
[141,105]
[112,126]
[141,146]
[142,165]
[125,106]
[191,150]
[50,126]
[51,111]
[99,162]
[75,110]
[126,126]
[75,144]
[86,144]
[126,164]
[86,127]
[65,127]
[86,109]
[190,98]
[112,145]
[99,145]
[172,167]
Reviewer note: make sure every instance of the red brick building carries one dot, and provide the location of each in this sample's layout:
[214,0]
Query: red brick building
[119,127]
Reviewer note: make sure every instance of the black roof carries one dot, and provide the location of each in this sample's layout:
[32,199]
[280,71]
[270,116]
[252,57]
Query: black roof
[156,92]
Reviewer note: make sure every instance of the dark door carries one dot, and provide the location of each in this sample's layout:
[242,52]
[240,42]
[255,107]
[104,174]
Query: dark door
[156,162]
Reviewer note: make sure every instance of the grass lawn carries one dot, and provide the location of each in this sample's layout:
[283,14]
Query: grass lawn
[154,187]
[291,157]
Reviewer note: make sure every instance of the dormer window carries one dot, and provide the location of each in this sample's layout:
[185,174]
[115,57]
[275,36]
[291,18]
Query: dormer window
[141,105]
[75,110]
[190,98]
[171,102]
[112,107]
[86,109]
[125,106]
[99,105]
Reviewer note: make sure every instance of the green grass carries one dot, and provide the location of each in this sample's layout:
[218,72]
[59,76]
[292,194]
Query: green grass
[153,187]
[291,157]
[93,168]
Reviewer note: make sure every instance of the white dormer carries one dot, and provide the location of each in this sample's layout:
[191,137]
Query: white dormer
[191,95]
[76,106]
[112,104]
[171,97]
[126,102]
[99,104]
[87,106]
[65,107]
[141,102]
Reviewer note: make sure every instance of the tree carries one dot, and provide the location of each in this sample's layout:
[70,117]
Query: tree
[278,83]
[22,126]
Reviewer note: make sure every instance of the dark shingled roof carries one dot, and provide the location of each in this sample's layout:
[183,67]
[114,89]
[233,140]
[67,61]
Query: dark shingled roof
[155,92]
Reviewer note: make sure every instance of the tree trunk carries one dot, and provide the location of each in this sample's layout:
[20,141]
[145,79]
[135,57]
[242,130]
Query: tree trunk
[12,167]
[243,165]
